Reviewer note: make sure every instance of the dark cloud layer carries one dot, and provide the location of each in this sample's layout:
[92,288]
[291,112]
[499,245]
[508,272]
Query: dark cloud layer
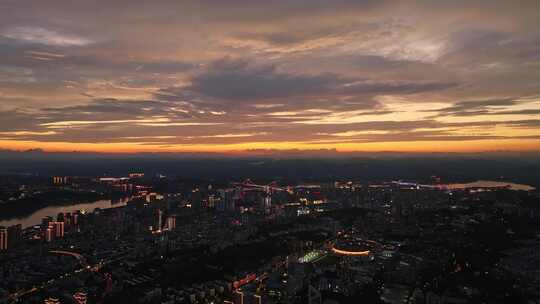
[237,80]
[475,107]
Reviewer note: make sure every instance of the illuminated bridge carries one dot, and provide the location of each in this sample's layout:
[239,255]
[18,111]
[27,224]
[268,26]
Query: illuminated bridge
[248,184]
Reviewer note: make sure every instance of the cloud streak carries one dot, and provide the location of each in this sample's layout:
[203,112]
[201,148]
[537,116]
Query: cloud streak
[38,35]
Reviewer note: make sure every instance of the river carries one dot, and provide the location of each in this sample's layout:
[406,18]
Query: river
[490,184]
[35,217]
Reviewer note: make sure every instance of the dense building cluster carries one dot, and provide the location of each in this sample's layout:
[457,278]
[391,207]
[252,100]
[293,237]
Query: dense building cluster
[192,241]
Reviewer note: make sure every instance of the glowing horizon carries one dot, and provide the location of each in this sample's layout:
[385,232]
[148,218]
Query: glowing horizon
[407,147]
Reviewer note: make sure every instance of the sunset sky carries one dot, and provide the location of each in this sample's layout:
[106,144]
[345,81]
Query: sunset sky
[234,75]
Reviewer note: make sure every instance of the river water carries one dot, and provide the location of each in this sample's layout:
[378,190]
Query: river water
[490,184]
[35,217]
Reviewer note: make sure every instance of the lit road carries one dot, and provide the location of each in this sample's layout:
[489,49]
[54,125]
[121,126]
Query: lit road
[84,267]
[78,256]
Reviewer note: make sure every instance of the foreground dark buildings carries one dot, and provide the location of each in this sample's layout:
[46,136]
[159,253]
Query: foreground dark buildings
[175,240]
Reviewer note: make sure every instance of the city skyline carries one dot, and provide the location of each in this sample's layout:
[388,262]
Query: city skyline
[235,76]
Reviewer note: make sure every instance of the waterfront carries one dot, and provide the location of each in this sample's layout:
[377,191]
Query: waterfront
[490,184]
[35,217]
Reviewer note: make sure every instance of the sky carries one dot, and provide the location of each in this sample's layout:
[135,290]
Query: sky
[236,75]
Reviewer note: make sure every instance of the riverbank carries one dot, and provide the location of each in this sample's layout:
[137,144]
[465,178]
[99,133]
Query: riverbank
[58,197]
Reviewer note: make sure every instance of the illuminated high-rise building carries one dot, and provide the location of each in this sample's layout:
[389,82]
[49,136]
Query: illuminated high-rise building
[136,175]
[3,239]
[48,234]
[58,229]
[266,203]
[153,197]
[212,199]
[171,222]
[51,300]
[80,297]
[60,180]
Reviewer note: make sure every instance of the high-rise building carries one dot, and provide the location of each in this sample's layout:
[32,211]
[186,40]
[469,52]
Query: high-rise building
[60,180]
[238,297]
[196,199]
[159,219]
[14,235]
[245,218]
[57,229]
[80,297]
[257,299]
[67,218]
[153,197]
[266,203]
[108,283]
[45,222]
[231,205]
[212,199]
[75,219]
[136,175]
[225,201]
[48,234]
[171,222]
[52,300]
[3,239]
[220,205]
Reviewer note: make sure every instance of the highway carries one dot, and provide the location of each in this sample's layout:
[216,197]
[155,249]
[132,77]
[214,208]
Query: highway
[84,267]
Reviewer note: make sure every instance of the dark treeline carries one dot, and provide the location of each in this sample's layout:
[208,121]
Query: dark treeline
[451,168]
